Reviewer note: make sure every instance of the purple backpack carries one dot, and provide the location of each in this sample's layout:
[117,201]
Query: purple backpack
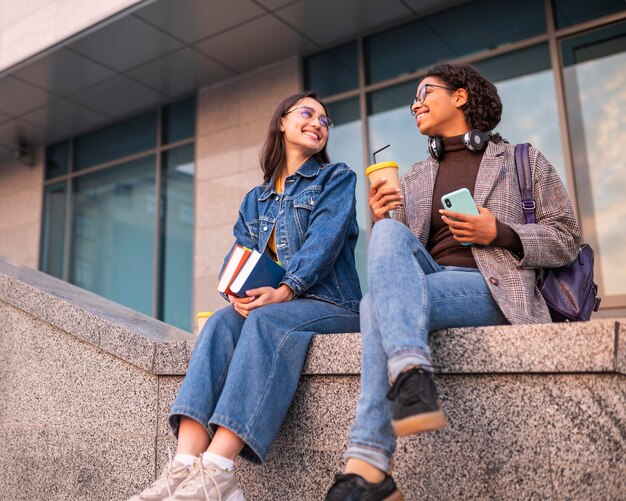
[569,291]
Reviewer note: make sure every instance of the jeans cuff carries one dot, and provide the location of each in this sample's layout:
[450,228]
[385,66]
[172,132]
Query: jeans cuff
[399,361]
[253,450]
[375,457]
[173,420]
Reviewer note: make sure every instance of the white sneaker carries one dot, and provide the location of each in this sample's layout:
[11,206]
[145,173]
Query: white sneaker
[171,477]
[208,482]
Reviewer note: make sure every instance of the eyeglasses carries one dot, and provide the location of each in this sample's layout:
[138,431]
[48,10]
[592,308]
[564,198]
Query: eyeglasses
[309,114]
[421,96]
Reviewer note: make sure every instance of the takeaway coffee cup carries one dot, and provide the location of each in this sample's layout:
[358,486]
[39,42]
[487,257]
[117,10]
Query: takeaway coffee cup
[386,170]
[201,318]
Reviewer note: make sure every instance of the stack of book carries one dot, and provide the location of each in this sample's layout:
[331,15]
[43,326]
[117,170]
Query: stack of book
[248,269]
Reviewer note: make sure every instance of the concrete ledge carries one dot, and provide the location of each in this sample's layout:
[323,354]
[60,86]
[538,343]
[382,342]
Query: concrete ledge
[535,412]
[164,350]
[131,336]
[548,348]
[620,346]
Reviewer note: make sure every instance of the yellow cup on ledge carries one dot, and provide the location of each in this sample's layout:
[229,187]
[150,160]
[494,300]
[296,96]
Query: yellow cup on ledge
[201,318]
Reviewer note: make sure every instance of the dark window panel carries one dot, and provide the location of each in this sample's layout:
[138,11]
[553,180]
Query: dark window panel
[451,34]
[345,144]
[571,12]
[179,121]
[333,71]
[57,159]
[593,80]
[390,98]
[53,238]
[594,44]
[116,141]
[113,233]
[177,242]
[515,64]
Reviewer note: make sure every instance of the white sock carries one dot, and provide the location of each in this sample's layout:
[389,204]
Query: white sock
[186,459]
[220,461]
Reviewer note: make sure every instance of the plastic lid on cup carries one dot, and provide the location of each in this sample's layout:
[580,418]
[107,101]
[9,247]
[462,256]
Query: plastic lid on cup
[380,165]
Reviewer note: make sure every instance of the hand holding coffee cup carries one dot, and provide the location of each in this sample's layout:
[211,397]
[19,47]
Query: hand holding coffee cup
[385,193]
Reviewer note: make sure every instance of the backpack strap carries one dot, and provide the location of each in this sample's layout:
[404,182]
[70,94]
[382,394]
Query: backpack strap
[525,180]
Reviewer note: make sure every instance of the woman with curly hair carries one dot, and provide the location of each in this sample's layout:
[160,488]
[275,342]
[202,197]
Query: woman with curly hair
[430,268]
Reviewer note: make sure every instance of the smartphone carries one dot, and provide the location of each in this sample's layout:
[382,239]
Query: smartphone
[460,201]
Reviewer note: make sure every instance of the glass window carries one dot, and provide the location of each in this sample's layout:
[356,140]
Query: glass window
[570,12]
[113,237]
[595,91]
[179,121]
[526,87]
[390,122]
[177,243]
[345,145]
[333,71]
[116,141]
[57,159]
[450,34]
[53,238]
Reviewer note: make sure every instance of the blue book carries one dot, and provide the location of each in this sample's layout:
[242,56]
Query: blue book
[260,270]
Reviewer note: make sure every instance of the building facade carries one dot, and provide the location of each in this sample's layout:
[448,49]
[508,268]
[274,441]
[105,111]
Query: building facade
[130,131]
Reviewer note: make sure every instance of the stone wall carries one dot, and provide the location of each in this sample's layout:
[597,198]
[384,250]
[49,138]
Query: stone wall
[535,412]
[21,196]
[79,390]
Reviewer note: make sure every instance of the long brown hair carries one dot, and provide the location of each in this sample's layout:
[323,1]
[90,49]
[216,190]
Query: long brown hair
[273,156]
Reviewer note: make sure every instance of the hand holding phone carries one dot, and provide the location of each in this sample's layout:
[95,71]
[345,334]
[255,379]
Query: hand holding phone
[460,201]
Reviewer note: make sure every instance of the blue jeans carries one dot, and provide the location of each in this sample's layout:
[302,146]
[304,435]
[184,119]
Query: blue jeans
[409,296]
[243,373]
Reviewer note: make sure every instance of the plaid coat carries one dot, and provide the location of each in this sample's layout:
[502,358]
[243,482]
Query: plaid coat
[553,241]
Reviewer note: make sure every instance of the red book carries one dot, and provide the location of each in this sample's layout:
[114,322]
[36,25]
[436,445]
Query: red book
[237,259]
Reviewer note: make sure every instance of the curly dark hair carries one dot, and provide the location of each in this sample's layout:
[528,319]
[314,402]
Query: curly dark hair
[483,109]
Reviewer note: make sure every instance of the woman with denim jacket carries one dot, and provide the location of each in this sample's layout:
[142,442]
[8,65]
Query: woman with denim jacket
[422,279]
[247,360]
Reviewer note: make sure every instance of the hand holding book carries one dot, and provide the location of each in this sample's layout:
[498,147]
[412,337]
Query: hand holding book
[261,297]
[251,274]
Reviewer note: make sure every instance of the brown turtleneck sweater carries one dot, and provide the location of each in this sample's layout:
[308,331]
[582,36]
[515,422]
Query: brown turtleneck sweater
[458,169]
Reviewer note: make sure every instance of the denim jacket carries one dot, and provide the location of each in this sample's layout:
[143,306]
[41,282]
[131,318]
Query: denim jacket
[316,230]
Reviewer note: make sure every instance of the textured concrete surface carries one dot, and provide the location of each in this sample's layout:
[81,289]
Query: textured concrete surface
[620,355]
[120,331]
[516,436]
[168,389]
[581,347]
[69,464]
[534,412]
[305,427]
[586,420]
[53,379]
[334,354]
[577,482]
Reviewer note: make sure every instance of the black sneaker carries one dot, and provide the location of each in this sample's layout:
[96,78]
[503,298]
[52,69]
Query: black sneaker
[351,487]
[415,404]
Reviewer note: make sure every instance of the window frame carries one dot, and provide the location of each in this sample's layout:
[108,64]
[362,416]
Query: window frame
[611,306]
[72,174]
